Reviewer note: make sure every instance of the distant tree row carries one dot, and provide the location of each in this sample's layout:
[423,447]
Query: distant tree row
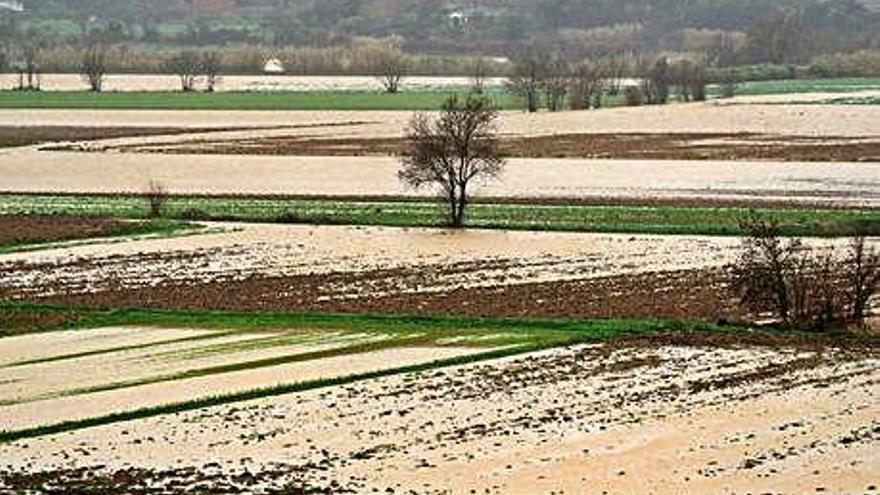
[542,79]
[742,31]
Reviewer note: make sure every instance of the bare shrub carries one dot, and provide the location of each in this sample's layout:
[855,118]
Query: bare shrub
[452,150]
[390,69]
[729,84]
[556,83]
[157,197]
[479,72]
[187,66]
[587,85]
[528,77]
[862,272]
[94,66]
[634,96]
[802,287]
[211,64]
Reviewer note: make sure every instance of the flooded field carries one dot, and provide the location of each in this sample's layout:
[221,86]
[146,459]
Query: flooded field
[854,184]
[144,82]
[680,417]
[119,369]
[710,117]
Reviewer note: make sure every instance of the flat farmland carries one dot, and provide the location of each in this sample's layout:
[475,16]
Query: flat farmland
[686,417]
[724,116]
[390,270]
[116,369]
[128,164]
[234,293]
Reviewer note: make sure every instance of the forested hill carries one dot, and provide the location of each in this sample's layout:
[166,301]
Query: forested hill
[457,26]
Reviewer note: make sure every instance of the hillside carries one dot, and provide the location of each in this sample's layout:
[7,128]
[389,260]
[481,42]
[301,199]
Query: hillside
[487,27]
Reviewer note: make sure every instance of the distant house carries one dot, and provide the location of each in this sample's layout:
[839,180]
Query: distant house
[11,5]
[273,66]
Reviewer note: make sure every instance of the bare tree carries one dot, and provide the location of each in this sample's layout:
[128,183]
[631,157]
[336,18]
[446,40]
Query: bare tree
[655,76]
[187,66]
[157,197]
[479,72]
[211,64]
[527,79]
[556,83]
[5,56]
[729,83]
[614,68]
[690,78]
[587,85]
[390,69]
[803,287]
[862,271]
[30,48]
[452,150]
[93,67]
[762,272]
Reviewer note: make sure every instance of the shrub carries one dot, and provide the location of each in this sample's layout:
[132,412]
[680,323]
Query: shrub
[634,96]
[157,197]
[803,287]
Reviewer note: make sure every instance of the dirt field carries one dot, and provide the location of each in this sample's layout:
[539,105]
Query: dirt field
[389,270]
[595,146]
[679,416]
[16,229]
[409,260]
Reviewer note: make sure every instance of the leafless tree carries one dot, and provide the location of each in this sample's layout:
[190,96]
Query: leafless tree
[803,287]
[187,66]
[862,271]
[655,76]
[390,69]
[157,197]
[93,67]
[527,79]
[729,83]
[449,152]
[30,47]
[479,72]
[556,83]
[211,64]
[5,56]
[587,86]
[690,78]
[614,68]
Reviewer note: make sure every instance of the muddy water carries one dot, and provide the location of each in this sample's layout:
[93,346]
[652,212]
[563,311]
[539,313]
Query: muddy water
[151,82]
[713,117]
[27,170]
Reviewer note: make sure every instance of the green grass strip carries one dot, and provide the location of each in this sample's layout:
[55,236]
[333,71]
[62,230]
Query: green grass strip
[241,100]
[663,220]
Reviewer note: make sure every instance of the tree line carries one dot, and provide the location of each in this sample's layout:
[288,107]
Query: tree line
[743,31]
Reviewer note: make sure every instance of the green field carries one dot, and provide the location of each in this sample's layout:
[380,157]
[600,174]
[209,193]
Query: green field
[794,86]
[352,100]
[588,218]
[245,100]
[855,101]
